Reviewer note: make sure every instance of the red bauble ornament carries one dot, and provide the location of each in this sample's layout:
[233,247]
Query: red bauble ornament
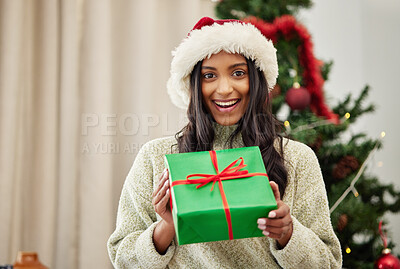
[387,261]
[298,98]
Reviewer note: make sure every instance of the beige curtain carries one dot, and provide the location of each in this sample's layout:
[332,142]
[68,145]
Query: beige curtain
[82,87]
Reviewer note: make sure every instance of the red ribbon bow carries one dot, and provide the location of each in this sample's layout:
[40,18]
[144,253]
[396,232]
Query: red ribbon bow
[230,172]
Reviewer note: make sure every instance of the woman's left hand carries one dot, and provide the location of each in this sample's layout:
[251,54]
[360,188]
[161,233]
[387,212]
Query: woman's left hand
[279,223]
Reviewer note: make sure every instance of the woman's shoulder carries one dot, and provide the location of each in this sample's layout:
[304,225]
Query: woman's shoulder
[160,146]
[301,163]
[161,141]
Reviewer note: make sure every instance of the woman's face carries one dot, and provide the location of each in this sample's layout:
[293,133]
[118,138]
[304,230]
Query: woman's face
[225,87]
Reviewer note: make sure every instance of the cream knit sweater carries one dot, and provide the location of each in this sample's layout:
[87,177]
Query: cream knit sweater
[313,243]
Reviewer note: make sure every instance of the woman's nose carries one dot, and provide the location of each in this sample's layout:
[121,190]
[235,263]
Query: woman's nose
[224,86]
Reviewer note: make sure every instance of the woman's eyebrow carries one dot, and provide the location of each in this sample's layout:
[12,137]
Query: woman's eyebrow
[232,66]
[208,67]
[238,64]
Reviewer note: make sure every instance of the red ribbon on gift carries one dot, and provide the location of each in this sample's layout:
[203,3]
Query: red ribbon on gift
[230,172]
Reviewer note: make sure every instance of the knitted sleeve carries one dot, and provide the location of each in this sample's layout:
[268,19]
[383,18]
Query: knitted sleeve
[131,244]
[313,243]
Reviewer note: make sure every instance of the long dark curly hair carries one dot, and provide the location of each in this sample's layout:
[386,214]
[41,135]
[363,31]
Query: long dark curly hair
[258,126]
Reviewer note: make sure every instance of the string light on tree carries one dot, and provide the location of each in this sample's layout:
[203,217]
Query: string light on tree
[355,192]
[287,126]
[358,175]
[314,124]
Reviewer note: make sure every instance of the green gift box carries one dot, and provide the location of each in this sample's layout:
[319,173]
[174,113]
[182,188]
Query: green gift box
[218,195]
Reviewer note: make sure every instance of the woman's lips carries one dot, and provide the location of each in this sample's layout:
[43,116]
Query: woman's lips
[226,105]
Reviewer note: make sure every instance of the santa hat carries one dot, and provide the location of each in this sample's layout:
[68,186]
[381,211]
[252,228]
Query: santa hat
[209,37]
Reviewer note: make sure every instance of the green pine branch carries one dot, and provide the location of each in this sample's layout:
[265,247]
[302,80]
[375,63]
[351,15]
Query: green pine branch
[356,107]
[267,10]
[326,69]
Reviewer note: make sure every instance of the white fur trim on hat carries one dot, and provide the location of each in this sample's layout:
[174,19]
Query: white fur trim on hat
[232,37]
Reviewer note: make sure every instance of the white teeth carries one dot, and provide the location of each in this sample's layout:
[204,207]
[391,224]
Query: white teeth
[229,103]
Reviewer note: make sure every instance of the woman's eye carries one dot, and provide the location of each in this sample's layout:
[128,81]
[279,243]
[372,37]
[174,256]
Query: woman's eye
[238,73]
[208,75]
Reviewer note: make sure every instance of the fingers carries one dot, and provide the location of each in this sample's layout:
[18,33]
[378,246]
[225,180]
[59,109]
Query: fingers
[273,224]
[164,200]
[279,223]
[162,191]
[275,189]
[275,228]
[161,197]
[164,176]
[282,211]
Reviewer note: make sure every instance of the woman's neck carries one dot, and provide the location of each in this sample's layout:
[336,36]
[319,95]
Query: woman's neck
[222,137]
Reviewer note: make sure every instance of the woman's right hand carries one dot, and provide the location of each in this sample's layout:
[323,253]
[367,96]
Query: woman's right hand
[161,198]
[164,232]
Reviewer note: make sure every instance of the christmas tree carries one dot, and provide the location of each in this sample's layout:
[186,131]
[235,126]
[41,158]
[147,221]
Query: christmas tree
[356,198]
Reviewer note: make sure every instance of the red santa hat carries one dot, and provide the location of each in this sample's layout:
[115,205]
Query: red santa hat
[209,37]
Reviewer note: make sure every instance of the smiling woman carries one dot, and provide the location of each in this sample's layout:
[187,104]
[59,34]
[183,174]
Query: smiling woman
[222,74]
[225,87]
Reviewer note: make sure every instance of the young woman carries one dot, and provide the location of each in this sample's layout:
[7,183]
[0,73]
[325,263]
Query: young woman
[222,73]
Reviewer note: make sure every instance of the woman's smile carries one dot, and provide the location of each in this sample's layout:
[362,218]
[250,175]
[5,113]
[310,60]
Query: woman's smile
[226,105]
[225,87]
